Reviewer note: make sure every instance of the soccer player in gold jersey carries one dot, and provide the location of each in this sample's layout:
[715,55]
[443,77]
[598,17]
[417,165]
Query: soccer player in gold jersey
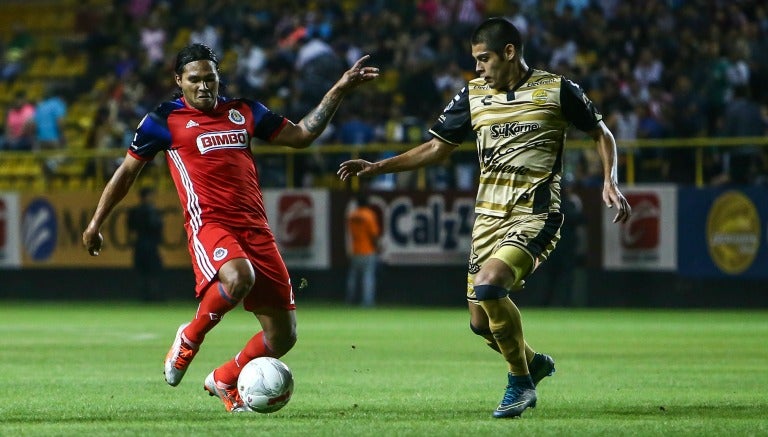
[520,116]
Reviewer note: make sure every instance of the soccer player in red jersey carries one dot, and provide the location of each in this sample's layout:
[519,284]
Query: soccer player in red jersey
[206,140]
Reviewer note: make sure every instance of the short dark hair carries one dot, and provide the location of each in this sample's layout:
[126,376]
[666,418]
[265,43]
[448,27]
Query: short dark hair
[145,192]
[192,53]
[496,33]
[362,199]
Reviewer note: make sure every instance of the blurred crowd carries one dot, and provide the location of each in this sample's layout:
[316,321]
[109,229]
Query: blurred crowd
[655,69]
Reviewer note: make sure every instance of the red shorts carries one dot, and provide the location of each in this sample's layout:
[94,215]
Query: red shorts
[214,245]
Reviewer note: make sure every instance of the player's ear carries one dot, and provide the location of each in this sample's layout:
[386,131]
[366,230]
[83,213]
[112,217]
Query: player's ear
[178,80]
[509,52]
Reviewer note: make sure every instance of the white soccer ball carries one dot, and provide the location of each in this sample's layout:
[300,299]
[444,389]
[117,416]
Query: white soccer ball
[265,384]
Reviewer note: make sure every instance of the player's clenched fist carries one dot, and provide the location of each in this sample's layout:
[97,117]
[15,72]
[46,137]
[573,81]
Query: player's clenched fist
[92,240]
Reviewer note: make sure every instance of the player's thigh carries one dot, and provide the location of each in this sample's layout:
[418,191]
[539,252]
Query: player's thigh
[212,247]
[535,234]
[510,247]
[272,286]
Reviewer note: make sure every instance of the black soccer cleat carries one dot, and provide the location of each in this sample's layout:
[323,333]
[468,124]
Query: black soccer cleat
[540,367]
[516,399]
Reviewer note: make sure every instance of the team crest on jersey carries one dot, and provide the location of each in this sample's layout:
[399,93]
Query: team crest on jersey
[219,253]
[539,97]
[236,117]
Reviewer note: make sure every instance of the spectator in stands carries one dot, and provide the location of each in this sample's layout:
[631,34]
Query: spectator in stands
[717,47]
[153,39]
[49,120]
[251,67]
[20,124]
[318,66]
[16,52]
[138,9]
[563,52]
[207,34]
[743,118]
[354,129]
[469,13]
[648,70]
[125,64]
[685,117]
[713,84]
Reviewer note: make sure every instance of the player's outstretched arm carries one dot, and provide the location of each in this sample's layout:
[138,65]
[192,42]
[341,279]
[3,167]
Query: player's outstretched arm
[431,152]
[606,148]
[314,123]
[116,189]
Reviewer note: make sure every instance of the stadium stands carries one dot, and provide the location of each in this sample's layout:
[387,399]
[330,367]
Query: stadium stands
[630,56]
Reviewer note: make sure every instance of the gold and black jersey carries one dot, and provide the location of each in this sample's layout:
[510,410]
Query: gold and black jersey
[520,137]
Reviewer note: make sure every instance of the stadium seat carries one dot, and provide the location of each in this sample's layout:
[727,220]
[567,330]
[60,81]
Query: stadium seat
[40,67]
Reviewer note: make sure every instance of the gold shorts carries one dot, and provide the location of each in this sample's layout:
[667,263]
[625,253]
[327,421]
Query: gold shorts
[521,241]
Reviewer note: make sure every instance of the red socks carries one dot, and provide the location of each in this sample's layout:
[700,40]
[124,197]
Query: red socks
[256,347]
[215,303]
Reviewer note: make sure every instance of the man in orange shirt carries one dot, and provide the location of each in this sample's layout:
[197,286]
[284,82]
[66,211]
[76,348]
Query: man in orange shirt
[364,232]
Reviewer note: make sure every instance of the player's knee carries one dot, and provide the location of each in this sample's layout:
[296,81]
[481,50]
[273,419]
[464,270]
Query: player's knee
[241,288]
[482,331]
[238,280]
[490,292]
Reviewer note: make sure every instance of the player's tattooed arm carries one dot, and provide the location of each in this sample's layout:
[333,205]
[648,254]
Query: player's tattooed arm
[316,121]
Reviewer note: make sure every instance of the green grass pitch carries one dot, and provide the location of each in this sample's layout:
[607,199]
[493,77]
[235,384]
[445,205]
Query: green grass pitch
[96,369]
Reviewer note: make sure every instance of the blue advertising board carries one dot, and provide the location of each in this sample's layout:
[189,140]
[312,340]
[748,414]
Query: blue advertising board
[723,232]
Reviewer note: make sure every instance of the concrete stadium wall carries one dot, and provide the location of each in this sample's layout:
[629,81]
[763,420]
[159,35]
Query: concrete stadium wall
[443,286]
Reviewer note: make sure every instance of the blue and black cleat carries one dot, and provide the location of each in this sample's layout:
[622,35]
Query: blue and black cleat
[540,367]
[517,398]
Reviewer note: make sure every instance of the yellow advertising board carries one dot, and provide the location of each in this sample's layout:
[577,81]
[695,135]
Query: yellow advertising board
[52,225]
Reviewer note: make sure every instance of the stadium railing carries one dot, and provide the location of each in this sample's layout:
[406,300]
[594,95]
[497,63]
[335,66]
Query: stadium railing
[89,169]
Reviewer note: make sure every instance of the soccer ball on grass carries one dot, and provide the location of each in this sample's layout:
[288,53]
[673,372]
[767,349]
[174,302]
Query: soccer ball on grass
[265,384]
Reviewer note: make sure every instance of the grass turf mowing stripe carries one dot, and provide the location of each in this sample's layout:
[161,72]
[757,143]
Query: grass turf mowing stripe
[96,369]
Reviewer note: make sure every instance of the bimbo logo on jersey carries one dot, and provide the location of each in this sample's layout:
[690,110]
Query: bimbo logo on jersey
[233,139]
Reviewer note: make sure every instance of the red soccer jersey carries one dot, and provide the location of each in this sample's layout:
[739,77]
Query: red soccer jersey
[209,158]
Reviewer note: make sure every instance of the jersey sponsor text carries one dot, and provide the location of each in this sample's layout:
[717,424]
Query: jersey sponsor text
[234,139]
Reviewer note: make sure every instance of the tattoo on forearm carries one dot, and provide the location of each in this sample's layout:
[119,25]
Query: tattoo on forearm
[318,118]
